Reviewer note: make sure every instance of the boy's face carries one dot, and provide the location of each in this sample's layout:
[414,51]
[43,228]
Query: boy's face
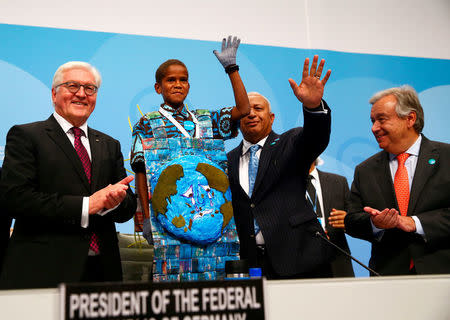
[174,87]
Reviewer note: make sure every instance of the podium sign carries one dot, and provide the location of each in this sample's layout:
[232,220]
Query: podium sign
[206,300]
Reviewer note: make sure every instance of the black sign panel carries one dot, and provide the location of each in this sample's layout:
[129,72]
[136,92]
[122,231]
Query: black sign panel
[207,300]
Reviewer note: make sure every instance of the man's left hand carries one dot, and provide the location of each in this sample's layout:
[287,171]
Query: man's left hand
[336,218]
[310,90]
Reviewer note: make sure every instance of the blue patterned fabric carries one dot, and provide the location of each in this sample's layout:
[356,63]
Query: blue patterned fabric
[220,125]
[192,236]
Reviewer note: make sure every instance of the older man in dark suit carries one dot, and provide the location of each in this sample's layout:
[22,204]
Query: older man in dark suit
[400,198]
[268,174]
[65,185]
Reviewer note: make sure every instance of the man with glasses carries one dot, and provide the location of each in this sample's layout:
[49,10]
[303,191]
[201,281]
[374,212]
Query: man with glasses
[65,185]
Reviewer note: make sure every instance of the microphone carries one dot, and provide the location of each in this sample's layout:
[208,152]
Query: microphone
[318,234]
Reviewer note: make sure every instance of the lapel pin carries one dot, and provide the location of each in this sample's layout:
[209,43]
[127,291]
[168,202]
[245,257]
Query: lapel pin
[274,141]
[97,140]
[431,161]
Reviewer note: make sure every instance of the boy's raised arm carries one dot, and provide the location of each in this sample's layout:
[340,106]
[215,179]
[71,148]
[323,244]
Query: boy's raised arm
[227,57]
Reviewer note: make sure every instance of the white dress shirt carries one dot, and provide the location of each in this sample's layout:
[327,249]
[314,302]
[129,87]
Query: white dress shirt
[316,183]
[244,160]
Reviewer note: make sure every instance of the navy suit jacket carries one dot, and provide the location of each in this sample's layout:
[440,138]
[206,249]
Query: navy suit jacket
[335,194]
[429,201]
[278,202]
[42,187]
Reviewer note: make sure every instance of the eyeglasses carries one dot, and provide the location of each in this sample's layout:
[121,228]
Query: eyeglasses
[73,87]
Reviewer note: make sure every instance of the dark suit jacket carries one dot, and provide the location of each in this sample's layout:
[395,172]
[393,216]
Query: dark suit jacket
[5,225]
[335,194]
[429,201]
[287,222]
[43,183]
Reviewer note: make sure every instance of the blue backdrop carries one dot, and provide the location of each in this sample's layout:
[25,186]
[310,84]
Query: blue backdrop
[29,56]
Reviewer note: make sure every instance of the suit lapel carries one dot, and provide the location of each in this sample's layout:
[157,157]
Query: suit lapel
[234,159]
[56,134]
[264,159]
[234,163]
[97,150]
[424,170]
[384,179]
[326,194]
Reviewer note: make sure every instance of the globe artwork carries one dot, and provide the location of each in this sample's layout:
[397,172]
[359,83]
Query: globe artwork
[191,199]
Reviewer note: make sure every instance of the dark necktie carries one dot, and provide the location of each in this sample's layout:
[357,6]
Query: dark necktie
[252,171]
[312,197]
[84,157]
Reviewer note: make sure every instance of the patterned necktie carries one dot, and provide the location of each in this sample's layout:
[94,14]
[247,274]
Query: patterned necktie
[401,184]
[312,197]
[82,153]
[252,168]
[84,157]
[252,171]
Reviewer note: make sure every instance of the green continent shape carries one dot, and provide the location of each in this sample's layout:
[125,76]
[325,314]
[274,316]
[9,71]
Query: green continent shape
[166,187]
[179,222]
[217,179]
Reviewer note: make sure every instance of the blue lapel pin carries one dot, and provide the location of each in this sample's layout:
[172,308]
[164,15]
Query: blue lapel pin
[431,161]
[274,141]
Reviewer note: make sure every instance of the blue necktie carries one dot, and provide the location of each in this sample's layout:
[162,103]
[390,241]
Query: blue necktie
[252,171]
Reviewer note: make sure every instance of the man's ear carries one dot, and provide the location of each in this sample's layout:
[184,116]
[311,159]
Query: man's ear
[158,88]
[411,118]
[53,95]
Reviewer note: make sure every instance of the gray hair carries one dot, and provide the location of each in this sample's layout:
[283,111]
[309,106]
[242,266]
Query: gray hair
[254,93]
[407,101]
[57,78]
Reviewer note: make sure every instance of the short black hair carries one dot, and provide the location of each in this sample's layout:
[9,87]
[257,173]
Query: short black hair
[162,69]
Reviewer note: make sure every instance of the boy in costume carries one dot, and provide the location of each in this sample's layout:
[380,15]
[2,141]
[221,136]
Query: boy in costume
[179,156]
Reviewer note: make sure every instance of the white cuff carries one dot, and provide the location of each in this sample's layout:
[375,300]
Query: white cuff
[419,228]
[85,213]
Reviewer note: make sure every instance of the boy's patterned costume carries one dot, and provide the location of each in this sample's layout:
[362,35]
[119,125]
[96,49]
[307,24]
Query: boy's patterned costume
[191,216]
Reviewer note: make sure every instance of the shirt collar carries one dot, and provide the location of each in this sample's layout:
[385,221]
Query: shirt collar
[66,125]
[315,174]
[182,111]
[246,145]
[413,150]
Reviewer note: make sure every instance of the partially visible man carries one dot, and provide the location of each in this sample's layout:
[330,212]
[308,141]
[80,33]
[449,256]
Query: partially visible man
[268,174]
[400,197]
[65,185]
[5,227]
[328,195]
